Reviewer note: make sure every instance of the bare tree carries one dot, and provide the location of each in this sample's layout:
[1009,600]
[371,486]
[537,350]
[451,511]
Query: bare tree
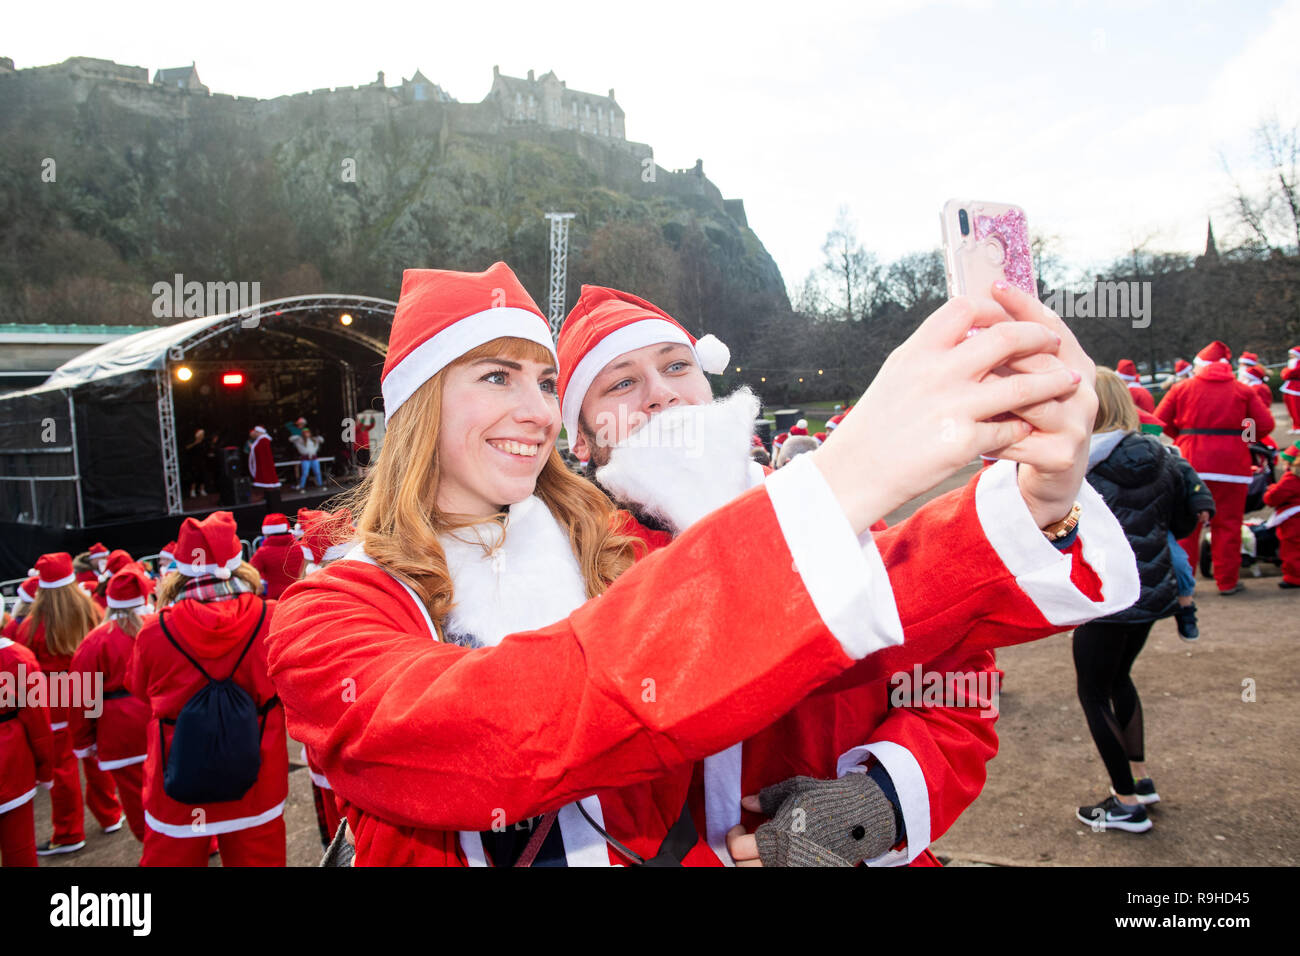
[1272,217]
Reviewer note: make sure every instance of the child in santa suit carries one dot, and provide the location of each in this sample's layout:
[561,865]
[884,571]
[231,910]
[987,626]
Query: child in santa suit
[924,763]
[212,626]
[26,758]
[61,617]
[1291,388]
[1128,373]
[279,559]
[463,674]
[1284,497]
[116,738]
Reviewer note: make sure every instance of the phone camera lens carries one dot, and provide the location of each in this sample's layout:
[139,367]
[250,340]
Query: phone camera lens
[963,222]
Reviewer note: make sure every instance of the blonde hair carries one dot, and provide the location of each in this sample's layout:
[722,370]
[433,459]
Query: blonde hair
[174,582]
[1115,408]
[395,505]
[127,618]
[67,613]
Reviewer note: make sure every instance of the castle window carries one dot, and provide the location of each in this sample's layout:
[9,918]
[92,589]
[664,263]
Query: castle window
[518,100]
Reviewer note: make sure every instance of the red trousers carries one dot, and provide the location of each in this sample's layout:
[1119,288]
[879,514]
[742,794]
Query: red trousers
[1293,408]
[327,813]
[258,846]
[1288,549]
[18,836]
[129,780]
[1225,533]
[68,807]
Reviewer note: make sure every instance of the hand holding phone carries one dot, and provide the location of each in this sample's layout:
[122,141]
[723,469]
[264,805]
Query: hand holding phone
[984,242]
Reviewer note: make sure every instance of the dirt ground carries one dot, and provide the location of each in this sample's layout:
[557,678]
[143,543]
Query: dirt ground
[1224,765]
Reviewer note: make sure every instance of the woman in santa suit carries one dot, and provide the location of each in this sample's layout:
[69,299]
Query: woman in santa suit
[61,617]
[116,738]
[279,559]
[461,711]
[1291,388]
[26,759]
[212,626]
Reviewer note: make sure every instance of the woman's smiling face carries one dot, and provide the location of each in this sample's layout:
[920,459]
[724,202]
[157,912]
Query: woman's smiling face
[500,419]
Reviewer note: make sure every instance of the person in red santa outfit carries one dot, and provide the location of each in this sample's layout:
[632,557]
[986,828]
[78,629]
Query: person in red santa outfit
[26,757]
[279,559]
[261,466]
[61,617]
[212,627]
[22,605]
[1283,497]
[1244,361]
[97,559]
[118,560]
[560,713]
[1128,373]
[655,368]
[1255,377]
[1291,388]
[116,737]
[1213,418]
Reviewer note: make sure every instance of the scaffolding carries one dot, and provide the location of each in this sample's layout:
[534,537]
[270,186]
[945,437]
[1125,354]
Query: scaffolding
[559,267]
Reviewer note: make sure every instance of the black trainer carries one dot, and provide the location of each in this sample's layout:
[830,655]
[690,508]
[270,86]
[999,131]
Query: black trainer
[1186,618]
[1145,791]
[1287,585]
[1237,588]
[49,848]
[1110,815]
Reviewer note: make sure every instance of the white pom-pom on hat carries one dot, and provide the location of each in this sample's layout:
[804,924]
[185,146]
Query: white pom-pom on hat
[222,573]
[713,354]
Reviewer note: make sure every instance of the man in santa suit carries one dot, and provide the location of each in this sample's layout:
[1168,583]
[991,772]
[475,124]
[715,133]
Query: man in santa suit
[442,735]
[279,559]
[1244,362]
[912,770]
[1213,418]
[1291,388]
[1255,378]
[1127,371]
[261,465]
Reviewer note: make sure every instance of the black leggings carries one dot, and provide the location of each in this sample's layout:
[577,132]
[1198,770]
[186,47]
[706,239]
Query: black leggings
[1103,655]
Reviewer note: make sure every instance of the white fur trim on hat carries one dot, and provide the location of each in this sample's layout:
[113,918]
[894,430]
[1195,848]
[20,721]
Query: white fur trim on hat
[190,570]
[713,354]
[275,529]
[1127,378]
[629,338]
[336,551]
[61,582]
[126,602]
[436,353]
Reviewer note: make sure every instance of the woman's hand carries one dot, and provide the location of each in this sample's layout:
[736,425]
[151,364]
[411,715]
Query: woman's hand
[937,403]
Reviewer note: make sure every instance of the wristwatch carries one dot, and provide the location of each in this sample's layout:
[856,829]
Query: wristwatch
[1059,529]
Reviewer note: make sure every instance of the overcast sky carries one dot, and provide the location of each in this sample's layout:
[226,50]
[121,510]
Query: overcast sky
[1104,120]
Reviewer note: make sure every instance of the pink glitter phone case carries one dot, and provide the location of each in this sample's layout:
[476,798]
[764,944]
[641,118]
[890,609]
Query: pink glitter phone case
[984,242]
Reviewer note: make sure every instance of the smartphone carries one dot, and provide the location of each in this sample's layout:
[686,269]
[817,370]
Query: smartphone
[984,242]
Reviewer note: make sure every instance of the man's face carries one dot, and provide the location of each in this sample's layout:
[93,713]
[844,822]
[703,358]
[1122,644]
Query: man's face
[630,390]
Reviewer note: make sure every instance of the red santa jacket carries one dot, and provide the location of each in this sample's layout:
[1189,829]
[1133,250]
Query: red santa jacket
[279,561]
[26,742]
[1141,397]
[32,636]
[117,737]
[1291,380]
[261,463]
[214,633]
[1207,417]
[1284,498]
[430,738]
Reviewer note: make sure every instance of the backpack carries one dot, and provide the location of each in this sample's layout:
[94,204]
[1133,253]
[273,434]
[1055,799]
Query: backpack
[216,750]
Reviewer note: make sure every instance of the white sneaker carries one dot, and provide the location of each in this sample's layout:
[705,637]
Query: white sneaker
[114,827]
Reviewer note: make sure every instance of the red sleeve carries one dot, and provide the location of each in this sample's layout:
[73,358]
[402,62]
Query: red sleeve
[80,726]
[36,724]
[1261,414]
[664,668]
[1167,411]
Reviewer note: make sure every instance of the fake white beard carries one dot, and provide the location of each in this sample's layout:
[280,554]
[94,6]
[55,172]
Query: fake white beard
[686,461]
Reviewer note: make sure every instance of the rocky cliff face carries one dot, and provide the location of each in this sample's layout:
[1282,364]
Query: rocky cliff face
[109,186]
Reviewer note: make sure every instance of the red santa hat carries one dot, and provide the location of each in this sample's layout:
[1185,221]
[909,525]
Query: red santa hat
[1182,368]
[1127,370]
[1293,352]
[605,324]
[208,547]
[275,524]
[118,560]
[167,555]
[799,428]
[1216,351]
[779,440]
[1247,358]
[1292,452]
[128,588]
[54,570]
[328,535]
[27,590]
[820,436]
[305,517]
[755,441]
[1255,375]
[98,551]
[441,315]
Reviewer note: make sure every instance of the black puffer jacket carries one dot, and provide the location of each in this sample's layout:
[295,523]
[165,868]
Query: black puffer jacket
[1146,488]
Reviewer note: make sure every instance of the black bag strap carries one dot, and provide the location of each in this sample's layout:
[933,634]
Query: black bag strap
[672,851]
[8,715]
[162,620]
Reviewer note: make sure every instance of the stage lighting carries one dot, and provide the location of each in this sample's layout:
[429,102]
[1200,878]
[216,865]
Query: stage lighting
[184,374]
[232,378]
[345,318]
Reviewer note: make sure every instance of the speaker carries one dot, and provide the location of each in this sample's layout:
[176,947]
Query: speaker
[786,417]
[763,428]
[232,473]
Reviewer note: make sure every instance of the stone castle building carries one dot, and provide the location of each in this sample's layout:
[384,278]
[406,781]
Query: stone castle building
[549,102]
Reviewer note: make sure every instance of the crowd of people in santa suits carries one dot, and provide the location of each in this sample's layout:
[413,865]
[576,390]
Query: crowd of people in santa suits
[139,642]
[490,660]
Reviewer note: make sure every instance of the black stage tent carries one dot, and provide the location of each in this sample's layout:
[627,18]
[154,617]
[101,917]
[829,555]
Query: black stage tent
[94,451]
